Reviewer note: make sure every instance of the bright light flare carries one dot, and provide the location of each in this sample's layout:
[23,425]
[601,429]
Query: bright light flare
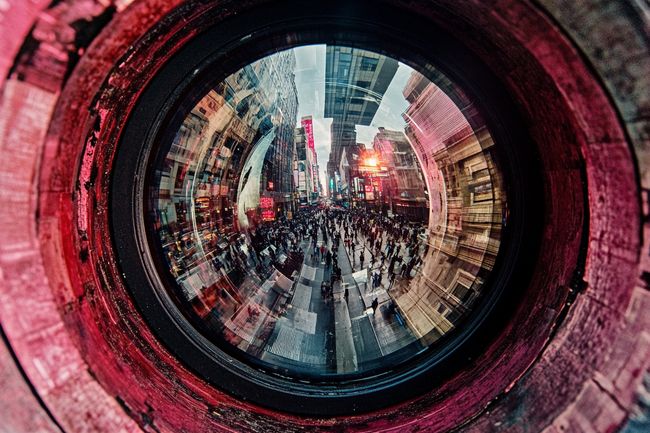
[372,162]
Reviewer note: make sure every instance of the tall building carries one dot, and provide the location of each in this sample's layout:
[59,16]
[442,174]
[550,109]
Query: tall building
[311,158]
[355,83]
[304,176]
[466,206]
[350,186]
[278,79]
[403,189]
[203,169]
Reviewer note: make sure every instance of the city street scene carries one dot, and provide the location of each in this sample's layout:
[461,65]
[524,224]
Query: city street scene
[328,211]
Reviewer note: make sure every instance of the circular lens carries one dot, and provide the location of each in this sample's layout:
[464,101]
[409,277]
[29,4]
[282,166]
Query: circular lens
[326,212]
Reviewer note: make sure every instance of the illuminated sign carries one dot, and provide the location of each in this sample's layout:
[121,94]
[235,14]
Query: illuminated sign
[266,202]
[270,186]
[268,215]
[307,123]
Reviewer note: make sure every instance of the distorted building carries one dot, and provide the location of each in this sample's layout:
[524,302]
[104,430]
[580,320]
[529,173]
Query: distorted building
[403,189]
[355,83]
[351,187]
[467,197]
[220,133]
[278,79]
[311,159]
[304,178]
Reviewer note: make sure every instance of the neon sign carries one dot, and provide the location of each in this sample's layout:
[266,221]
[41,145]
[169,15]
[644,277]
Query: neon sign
[308,124]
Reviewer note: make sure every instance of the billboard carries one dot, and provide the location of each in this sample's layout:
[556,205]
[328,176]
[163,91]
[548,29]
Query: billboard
[307,123]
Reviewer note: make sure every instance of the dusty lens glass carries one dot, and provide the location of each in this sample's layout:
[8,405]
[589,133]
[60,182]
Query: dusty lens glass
[327,212]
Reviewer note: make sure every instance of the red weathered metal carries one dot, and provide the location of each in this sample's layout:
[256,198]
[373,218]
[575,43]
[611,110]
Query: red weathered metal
[98,368]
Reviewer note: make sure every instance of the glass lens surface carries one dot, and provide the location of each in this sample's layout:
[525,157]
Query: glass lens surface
[327,212]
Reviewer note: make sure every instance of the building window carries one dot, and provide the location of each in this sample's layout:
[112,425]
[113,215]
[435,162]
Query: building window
[369,64]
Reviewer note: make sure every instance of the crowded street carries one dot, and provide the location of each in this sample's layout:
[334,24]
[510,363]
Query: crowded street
[341,314]
[309,239]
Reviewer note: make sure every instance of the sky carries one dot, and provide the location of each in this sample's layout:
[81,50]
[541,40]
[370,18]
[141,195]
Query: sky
[310,83]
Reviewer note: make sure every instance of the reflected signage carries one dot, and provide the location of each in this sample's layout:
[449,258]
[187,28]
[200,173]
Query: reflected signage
[268,215]
[266,202]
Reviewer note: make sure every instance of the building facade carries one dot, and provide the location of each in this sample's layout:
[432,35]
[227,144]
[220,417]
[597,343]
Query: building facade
[466,206]
[403,189]
[355,83]
[203,170]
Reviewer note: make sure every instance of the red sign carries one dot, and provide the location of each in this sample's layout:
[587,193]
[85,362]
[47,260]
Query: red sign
[268,215]
[307,123]
[266,202]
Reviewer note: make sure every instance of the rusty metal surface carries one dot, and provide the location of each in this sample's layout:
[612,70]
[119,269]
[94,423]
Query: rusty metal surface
[569,361]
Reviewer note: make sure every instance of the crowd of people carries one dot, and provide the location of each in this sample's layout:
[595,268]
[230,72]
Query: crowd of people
[339,244]
[387,247]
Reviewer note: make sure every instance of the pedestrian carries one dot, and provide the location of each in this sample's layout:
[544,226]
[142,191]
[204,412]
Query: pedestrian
[375,304]
[392,277]
[391,266]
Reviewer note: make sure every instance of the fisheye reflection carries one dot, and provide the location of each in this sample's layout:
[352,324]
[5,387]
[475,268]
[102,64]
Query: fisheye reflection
[328,211]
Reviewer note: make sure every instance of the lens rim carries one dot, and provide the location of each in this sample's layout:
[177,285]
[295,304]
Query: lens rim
[239,39]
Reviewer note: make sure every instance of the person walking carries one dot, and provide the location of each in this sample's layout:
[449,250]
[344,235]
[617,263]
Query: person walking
[391,266]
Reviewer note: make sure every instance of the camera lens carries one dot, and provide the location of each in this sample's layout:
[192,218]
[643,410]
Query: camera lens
[325,213]
[351,216]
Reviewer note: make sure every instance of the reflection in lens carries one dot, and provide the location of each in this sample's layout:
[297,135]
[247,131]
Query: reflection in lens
[327,212]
